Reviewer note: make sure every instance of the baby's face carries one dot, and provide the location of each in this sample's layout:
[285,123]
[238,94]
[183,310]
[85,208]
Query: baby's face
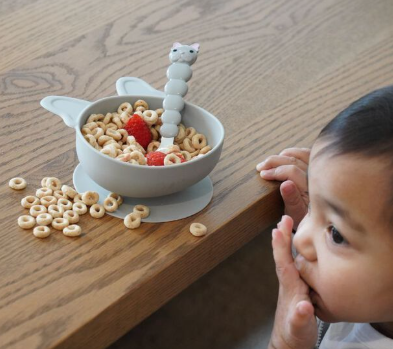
[345,242]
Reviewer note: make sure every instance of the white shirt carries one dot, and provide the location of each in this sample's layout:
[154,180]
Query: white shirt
[354,336]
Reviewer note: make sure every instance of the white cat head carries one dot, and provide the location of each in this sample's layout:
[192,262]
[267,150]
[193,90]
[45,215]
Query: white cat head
[184,53]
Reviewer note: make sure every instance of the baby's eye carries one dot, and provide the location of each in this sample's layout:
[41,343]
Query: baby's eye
[191,51]
[175,50]
[336,236]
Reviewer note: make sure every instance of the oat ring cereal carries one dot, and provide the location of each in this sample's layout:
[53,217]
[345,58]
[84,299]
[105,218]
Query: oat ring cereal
[90,198]
[139,103]
[195,153]
[199,141]
[79,207]
[48,200]
[150,117]
[171,159]
[110,204]
[41,232]
[53,183]
[132,220]
[205,150]
[72,230]
[26,222]
[111,126]
[190,132]
[153,146]
[60,223]
[91,139]
[198,229]
[107,119]
[142,210]
[159,111]
[124,157]
[181,135]
[40,193]
[97,211]
[78,198]
[124,117]
[186,155]
[188,146]
[86,131]
[124,135]
[65,204]
[90,125]
[58,194]
[67,190]
[37,209]
[71,216]
[56,211]
[154,133]
[100,124]
[138,156]
[117,197]
[17,183]
[43,182]
[29,201]
[110,151]
[98,132]
[116,120]
[103,139]
[95,118]
[44,219]
[125,107]
[173,149]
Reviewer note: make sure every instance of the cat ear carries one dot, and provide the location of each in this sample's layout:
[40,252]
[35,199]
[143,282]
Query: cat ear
[195,46]
[176,44]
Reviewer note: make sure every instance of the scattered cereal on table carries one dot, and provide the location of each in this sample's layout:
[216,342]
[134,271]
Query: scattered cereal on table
[41,232]
[17,183]
[132,220]
[198,229]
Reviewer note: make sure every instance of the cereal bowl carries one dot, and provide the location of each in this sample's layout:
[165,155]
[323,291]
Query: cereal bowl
[129,179]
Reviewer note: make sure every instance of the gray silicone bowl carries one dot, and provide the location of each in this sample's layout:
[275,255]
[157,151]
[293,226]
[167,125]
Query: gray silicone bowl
[133,180]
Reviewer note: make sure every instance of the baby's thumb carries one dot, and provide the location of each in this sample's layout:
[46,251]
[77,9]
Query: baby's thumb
[294,204]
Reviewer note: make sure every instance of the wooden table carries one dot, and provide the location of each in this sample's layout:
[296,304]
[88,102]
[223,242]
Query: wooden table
[274,72]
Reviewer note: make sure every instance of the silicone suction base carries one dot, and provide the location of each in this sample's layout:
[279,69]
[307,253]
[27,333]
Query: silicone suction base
[162,209]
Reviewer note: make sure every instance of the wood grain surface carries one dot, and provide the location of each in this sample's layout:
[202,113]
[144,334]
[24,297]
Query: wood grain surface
[273,72]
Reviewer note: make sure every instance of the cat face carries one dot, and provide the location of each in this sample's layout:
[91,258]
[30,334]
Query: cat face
[184,53]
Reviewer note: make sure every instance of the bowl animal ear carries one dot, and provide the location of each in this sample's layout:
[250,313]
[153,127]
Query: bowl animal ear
[195,46]
[176,44]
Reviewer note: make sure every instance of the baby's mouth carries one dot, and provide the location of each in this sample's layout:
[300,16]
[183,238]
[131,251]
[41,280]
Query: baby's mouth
[313,296]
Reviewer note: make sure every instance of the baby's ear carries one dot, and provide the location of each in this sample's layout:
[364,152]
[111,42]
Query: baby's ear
[176,44]
[195,46]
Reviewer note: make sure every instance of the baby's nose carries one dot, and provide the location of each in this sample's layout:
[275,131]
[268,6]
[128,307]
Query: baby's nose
[304,243]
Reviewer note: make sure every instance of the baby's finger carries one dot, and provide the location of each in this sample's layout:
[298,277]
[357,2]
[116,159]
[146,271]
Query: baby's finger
[302,154]
[302,321]
[295,205]
[279,160]
[285,172]
[281,242]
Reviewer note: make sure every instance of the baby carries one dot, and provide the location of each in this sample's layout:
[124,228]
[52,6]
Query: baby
[339,199]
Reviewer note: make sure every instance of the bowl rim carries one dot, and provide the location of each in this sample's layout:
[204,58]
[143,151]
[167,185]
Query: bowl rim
[213,150]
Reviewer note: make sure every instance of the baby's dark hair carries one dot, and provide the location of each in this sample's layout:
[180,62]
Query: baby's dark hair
[364,128]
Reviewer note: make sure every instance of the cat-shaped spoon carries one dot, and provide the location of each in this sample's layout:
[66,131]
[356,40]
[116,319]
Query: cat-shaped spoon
[178,73]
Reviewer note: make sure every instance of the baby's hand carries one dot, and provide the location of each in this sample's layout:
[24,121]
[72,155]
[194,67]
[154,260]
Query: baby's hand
[290,167]
[295,325]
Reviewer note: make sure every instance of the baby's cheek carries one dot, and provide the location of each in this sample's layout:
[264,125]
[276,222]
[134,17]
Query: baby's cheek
[342,294]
